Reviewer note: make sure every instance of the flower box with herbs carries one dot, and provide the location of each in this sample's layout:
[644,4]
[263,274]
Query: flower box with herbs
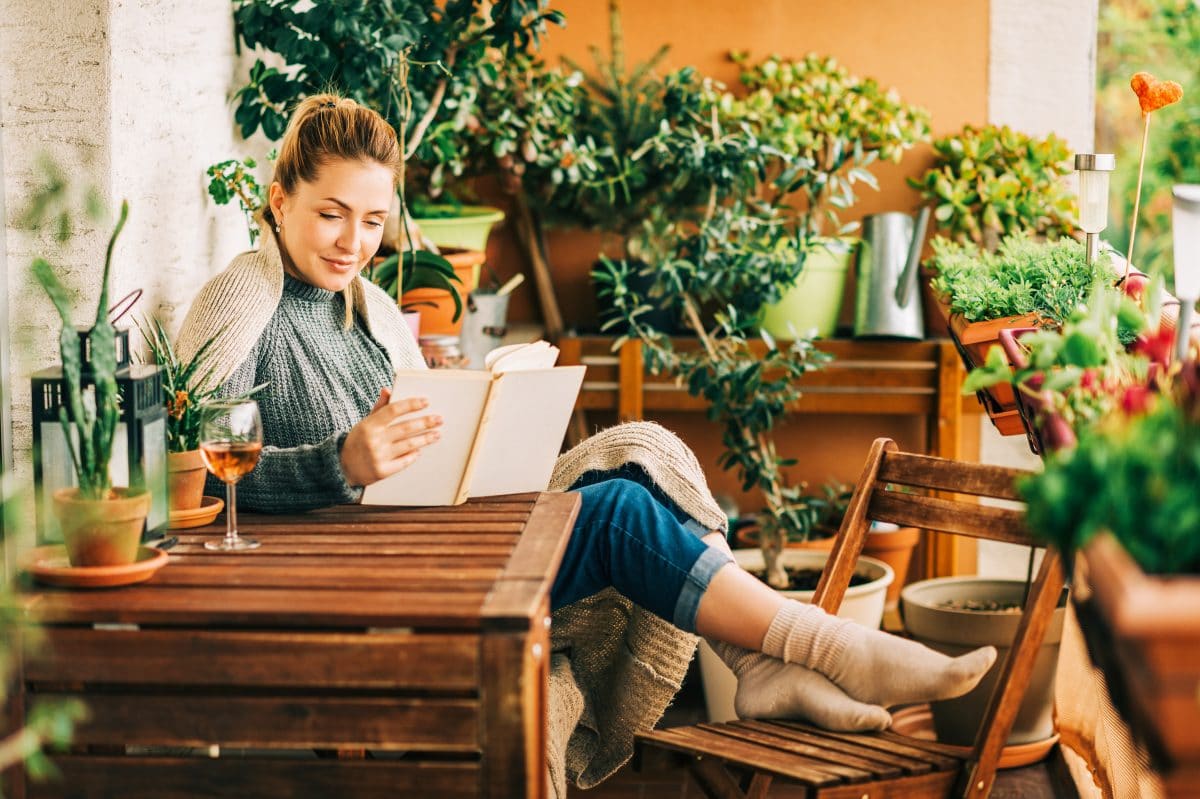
[1025,283]
[1124,498]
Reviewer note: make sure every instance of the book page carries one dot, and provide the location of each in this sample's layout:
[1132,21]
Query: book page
[535,355]
[527,419]
[458,395]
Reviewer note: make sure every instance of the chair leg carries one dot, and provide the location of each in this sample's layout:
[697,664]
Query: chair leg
[717,783]
[759,785]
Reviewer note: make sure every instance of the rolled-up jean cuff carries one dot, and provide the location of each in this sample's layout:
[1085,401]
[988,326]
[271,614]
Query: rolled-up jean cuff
[694,586]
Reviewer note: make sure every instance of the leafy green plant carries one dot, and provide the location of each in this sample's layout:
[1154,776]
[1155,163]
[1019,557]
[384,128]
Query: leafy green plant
[1049,279]
[89,414]
[48,723]
[1132,476]
[233,179]
[990,182]
[1074,377]
[187,386]
[421,270]
[832,124]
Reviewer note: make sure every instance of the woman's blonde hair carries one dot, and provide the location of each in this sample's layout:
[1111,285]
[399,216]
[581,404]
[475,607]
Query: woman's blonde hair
[326,128]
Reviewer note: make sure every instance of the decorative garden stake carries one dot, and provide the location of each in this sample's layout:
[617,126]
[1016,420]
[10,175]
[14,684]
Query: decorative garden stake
[1094,170]
[1185,223]
[1152,95]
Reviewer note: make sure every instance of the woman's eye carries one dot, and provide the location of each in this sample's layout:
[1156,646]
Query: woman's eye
[373,223]
[330,216]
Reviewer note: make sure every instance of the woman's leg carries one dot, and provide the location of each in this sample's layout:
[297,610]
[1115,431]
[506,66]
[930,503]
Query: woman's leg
[627,539]
[869,665]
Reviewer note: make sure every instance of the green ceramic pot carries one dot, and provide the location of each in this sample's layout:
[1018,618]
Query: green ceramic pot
[814,302]
[468,228]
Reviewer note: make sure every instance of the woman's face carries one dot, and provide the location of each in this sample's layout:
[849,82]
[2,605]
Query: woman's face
[330,228]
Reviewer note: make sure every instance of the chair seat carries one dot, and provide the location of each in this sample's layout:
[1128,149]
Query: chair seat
[827,763]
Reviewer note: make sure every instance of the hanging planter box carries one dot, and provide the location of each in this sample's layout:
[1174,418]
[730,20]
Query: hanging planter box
[974,340]
[1143,632]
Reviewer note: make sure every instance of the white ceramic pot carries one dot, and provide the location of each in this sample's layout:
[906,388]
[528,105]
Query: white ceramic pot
[956,632]
[862,604]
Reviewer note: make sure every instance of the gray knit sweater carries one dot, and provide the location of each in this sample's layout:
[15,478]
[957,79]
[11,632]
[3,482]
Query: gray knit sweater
[321,379]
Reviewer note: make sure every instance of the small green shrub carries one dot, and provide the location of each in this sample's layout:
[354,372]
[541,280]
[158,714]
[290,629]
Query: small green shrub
[1050,279]
[989,182]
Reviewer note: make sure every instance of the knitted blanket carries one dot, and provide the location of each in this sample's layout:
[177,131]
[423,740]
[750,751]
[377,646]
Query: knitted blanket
[615,667]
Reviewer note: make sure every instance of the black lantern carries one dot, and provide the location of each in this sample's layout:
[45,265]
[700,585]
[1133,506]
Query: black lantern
[139,456]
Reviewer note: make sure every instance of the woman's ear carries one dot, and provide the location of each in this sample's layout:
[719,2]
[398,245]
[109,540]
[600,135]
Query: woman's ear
[275,198]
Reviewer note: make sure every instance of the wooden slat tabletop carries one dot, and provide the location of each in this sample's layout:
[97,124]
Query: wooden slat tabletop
[485,564]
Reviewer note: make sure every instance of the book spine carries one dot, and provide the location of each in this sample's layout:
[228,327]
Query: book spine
[485,415]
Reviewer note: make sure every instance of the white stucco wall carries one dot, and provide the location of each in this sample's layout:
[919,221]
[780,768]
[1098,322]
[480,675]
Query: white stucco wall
[1041,79]
[132,95]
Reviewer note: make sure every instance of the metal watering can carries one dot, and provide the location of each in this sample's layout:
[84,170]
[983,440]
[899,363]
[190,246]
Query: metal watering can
[888,299]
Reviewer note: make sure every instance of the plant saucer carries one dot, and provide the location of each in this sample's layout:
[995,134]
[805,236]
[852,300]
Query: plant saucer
[916,721]
[196,517]
[50,565]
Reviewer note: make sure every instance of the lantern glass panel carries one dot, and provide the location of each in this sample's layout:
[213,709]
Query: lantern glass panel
[1185,223]
[1093,200]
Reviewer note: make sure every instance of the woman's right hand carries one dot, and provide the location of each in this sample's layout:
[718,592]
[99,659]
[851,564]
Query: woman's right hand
[379,446]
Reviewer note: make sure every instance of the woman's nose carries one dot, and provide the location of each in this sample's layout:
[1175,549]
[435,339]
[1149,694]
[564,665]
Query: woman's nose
[348,240]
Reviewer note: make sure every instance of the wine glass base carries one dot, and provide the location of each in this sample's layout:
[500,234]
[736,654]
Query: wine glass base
[236,545]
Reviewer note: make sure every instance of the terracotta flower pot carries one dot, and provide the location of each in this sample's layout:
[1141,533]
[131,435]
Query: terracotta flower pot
[101,532]
[747,537]
[895,548]
[436,305]
[185,479]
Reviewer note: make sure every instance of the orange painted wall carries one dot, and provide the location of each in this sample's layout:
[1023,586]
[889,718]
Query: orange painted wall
[933,52]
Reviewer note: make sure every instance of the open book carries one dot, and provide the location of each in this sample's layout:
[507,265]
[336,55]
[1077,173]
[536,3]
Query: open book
[502,427]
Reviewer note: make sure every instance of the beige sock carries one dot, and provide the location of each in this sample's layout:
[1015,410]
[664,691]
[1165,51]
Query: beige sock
[768,688]
[869,665]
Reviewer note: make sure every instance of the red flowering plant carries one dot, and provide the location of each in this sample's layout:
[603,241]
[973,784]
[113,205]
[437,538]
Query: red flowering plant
[1099,362]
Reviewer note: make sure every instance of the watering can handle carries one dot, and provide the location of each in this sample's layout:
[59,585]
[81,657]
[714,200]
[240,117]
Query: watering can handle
[914,256]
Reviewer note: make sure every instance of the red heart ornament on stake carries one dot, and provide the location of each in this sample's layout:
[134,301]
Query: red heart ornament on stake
[1153,93]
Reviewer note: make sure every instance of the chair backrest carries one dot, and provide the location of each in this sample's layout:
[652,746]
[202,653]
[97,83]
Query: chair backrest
[880,495]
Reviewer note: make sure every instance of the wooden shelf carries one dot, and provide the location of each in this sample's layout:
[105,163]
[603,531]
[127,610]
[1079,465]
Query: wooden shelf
[884,378]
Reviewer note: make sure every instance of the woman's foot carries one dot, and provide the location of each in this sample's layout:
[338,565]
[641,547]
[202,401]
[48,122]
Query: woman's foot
[768,688]
[871,666]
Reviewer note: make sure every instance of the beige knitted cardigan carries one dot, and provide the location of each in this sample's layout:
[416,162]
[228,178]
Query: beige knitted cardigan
[614,666]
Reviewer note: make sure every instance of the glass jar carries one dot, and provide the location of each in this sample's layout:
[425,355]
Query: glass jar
[442,352]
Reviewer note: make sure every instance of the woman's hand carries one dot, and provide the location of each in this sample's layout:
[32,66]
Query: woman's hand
[379,446]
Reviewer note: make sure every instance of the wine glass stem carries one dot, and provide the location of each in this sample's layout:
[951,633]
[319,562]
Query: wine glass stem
[231,531]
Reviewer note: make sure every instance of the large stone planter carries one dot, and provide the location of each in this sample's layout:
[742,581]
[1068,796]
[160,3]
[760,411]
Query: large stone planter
[862,603]
[956,632]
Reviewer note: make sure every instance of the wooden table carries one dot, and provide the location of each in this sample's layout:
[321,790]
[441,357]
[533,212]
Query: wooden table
[361,652]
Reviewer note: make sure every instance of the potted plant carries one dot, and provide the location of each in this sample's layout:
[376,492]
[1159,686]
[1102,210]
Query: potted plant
[1123,498]
[101,523]
[1024,283]
[371,48]
[837,125]
[187,387]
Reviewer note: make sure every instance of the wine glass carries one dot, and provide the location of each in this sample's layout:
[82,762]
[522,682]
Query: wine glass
[230,443]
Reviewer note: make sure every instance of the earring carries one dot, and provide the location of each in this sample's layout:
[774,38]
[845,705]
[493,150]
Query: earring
[276,227]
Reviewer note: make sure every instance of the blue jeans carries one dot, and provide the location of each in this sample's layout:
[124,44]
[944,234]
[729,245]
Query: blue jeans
[632,537]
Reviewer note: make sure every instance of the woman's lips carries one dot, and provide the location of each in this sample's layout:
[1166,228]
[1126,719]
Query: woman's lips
[340,266]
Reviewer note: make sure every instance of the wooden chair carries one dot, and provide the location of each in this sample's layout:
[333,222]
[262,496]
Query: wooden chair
[824,765]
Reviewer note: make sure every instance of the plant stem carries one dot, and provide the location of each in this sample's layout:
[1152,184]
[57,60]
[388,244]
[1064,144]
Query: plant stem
[1137,196]
[435,103]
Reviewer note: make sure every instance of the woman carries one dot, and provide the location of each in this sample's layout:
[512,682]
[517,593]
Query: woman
[297,316]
